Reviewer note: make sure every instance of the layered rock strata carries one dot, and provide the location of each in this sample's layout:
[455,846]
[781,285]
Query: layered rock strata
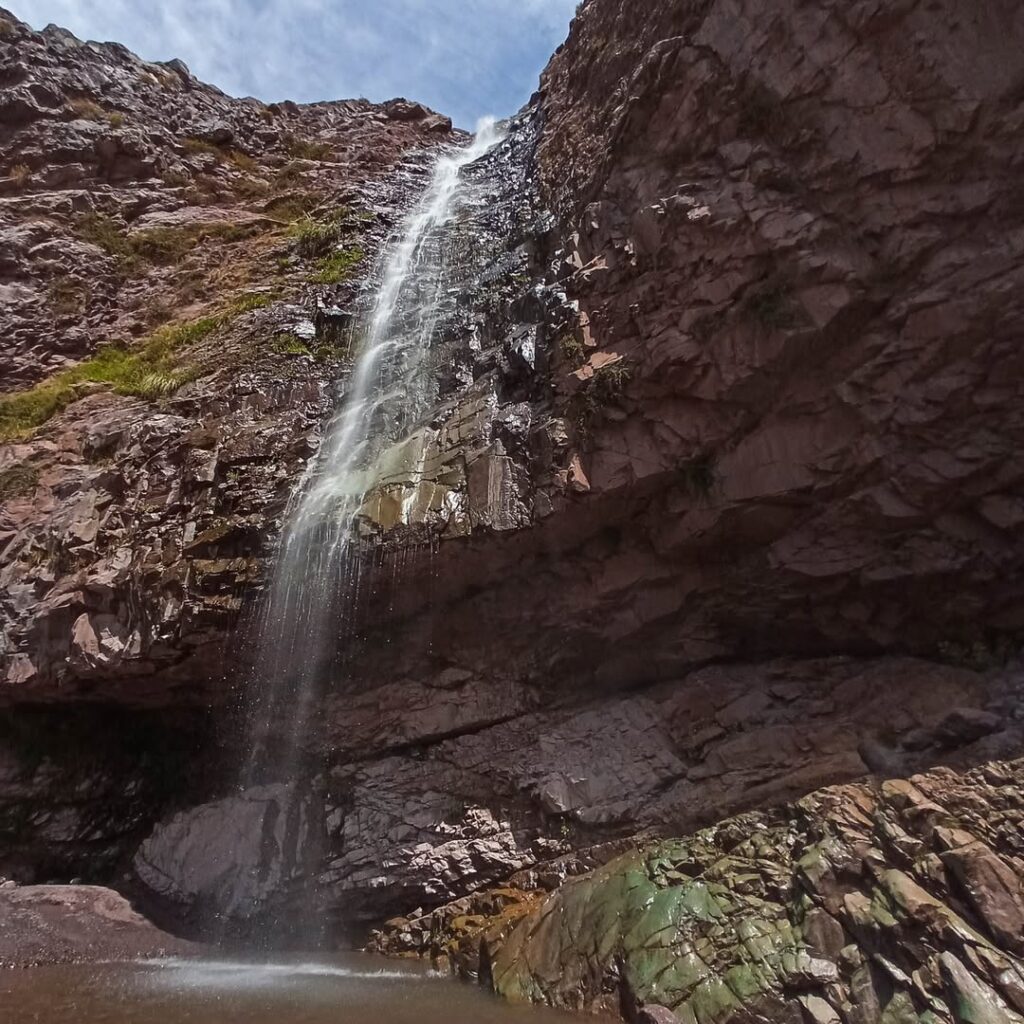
[899,900]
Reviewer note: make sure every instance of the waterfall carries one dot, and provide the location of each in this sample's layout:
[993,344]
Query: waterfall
[308,608]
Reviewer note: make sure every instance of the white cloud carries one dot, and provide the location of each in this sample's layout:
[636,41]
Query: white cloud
[463,57]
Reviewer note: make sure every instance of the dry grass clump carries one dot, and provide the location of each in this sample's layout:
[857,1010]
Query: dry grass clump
[155,246]
[86,109]
[20,174]
[308,149]
[68,297]
[606,388]
[18,482]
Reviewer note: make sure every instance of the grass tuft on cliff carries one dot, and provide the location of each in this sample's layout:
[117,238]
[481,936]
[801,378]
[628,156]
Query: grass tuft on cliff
[86,109]
[315,238]
[21,174]
[605,389]
[290,345]
[18,482]
[150,370]
[338,267]
[699,476]
[308,149]
[155,246]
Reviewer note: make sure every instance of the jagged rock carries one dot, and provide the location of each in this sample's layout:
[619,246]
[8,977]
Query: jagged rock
[715,926]
[656,1015]
[138,137]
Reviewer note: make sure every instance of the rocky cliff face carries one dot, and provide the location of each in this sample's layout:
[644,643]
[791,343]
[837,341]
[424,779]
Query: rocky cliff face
[181,270]
[899,901]
[721,501]
[782,421]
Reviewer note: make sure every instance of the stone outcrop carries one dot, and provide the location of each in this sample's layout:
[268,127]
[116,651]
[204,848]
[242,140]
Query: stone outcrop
[900,900]
[434,795]
[773,412]
[76,923]
[786,418]
[253,854]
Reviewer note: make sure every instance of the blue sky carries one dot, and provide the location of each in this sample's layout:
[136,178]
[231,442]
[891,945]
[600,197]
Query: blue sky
[465,58]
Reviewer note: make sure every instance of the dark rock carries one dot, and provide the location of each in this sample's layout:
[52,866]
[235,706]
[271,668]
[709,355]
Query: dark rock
[965,725]
[239,859]
[219,133]
[654,1014]
[401,109]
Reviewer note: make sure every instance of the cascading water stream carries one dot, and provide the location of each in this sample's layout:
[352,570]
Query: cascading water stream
[315,576]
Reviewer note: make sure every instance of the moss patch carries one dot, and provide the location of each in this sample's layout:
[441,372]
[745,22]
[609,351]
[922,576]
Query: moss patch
[773,307]
[290,345]
[337,267]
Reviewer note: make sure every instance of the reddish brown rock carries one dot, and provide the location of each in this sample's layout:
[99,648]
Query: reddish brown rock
[76,924]
[729,924]
[728,448]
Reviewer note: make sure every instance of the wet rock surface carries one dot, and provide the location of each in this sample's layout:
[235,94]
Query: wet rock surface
[242,856]
[415,816]
[872,902]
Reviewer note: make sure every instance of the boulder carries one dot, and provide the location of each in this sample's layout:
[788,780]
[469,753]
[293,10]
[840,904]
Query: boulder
[74,924]
[400,109]
[240,860]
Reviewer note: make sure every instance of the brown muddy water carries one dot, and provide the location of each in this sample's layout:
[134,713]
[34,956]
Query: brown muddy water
[350,990]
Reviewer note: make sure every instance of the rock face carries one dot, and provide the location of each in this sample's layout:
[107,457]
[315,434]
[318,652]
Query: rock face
[249,853]
[856,903]
[785,421]
[180,274]
[817,303]
[720,503]
[208,269]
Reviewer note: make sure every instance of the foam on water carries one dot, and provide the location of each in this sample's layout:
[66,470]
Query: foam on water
[243,974]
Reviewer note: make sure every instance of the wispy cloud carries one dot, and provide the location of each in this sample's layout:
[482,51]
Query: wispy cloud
[463,57]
